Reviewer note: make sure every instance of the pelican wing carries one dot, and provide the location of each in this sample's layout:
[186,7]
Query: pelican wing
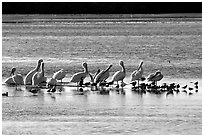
[119,75]
[150,76]
[37,78]
[18,79]
[9,81]
[28,77]
[59,75]
[78,76]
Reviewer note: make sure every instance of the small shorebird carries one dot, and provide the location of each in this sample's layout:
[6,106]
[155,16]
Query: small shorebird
[184,87]
[5,94]
[190,93]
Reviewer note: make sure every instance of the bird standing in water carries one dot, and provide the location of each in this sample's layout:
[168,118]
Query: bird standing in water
[38,77]
[103,75]
[137,74]
[119,75]
[77,77]
[28,77]
[157,76]
[59,75]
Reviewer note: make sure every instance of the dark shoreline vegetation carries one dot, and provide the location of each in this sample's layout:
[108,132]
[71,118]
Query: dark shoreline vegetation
[26,38]
[30,18]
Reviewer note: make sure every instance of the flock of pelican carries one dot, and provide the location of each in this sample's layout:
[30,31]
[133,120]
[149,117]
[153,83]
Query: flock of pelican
[36,77]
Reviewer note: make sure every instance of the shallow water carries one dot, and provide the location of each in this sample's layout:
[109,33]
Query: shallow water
[119,112]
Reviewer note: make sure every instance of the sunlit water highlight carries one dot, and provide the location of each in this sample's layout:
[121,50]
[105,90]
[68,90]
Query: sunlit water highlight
[119,112]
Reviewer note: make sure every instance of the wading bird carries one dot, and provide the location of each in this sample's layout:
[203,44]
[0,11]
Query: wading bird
[59,75]
[28,77]
[51,82]
[103,75]
[184,87]
[157,76]
[76,78]
[38,77]
[119,75]
[5,94]
[137,74]
[93,76]
[17,79]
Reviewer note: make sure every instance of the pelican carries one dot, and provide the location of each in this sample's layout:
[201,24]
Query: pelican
[77,77]
[17,79]
[59,75]
[103,75]
[51,82]
[137,74]
[157,76]
[28,77]
[38,77]
[119,75]
[92,76]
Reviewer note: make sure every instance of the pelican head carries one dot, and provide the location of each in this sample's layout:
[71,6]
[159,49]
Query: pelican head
[158,72]
[39,63]
[40,60]
[121,63]
[109,66]
[42,65]
[12,71]
[84,65]
[140,66]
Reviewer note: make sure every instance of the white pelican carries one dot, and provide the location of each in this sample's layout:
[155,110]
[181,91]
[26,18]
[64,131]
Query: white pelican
[38,77]
[76,78]
[93,76]
[51,82]
[103,75]
[137,74]
[119,75]
[17,79]
[28,77]
[59,75]
[157,76]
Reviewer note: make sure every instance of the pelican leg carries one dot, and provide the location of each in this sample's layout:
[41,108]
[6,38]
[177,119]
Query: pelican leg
[138,84]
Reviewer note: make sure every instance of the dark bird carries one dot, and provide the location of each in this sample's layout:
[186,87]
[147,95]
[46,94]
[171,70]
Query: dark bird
[196,90]
[196,83]
[170,93]
[87,83]
[133,83]
[177,86]
[34,90]
[110,83]
[49,90]
[184,91]
[53,89]
[196,87]
[5,94]
[190,93]
[184,87]
[81,89]
[190,88]
[143,78]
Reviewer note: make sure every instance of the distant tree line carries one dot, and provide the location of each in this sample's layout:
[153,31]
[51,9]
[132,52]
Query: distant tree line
[100,7]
